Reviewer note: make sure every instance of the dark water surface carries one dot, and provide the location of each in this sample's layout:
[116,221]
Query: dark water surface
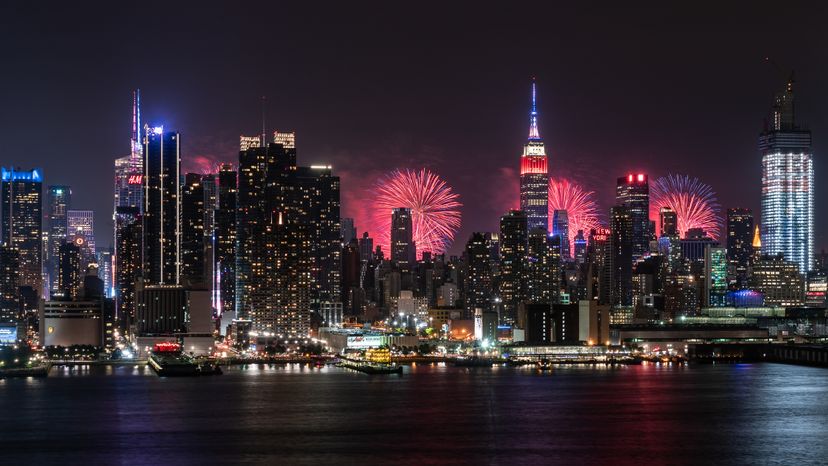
[722,414]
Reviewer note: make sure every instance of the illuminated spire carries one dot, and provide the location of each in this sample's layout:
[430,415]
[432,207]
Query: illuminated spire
[757,241]
[533,116]
[136,148]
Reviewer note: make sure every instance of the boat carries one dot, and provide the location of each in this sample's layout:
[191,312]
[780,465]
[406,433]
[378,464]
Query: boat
[209,368]
[167,360]
[544,365]
[371,368]
[377,361]
[474,361]
[34,371]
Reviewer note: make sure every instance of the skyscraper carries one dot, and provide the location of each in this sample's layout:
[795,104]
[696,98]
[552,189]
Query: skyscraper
[225,237]
[739,246]
[580,247]
[633,192]
[9,284]
[106,264]
[543,267]
[128,260]
[478,292]
[192,231]
[70,266]
[129,170]
[288,250]
[787,184]
[715,276]
[621,225]
[403,249]
[779,280]
[252,242]
[60,201]
[534,176]
[348,231]
[366,248]
[668,219]
[80,225]
[22,218]
[313,199]
[560,227]
[513,242]
[600,253]
[162,206]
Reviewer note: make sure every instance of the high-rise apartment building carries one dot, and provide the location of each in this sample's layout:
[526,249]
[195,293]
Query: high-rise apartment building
[513,280]
[225,237]
[621,224]
[128,260]
[193,247]
[71,270]
[543,262]
[288,250]
[478,279]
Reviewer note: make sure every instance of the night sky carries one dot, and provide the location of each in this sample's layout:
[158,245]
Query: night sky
[372,87]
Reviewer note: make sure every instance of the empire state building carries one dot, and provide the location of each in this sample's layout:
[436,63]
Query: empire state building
[534,177]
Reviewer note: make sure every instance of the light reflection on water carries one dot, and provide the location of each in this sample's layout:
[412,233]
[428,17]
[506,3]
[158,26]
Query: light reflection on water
[433,413]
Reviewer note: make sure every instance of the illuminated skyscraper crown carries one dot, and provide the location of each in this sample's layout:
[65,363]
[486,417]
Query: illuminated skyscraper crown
[534,134]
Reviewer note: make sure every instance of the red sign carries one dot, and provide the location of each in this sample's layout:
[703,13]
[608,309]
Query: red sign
[601,234]
[167,347]
[135,179]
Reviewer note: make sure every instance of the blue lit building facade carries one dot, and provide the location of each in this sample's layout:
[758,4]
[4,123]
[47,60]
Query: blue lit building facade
[787,185]
[22,221]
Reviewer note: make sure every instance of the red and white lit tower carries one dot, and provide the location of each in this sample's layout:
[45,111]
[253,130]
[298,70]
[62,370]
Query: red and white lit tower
[534,176]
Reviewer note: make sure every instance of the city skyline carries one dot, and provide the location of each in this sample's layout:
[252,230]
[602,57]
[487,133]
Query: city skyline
[532,233]
[486,119]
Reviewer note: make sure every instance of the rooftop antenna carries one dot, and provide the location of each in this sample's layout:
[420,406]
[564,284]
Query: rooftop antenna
[264,131]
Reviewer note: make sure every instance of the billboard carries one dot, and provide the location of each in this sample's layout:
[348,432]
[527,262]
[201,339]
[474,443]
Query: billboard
[365,341]
[8,334]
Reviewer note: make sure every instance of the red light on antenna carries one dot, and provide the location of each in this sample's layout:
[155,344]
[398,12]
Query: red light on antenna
[629,178]
[640,177]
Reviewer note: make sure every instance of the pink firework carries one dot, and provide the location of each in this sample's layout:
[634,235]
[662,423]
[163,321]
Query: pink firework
[435,210]
[581,209]
[694,202]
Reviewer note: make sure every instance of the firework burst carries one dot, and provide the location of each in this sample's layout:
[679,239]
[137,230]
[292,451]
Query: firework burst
[694,202]
[435,209]
[581,208]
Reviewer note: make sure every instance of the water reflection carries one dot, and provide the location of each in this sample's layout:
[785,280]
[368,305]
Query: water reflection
[298,413]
